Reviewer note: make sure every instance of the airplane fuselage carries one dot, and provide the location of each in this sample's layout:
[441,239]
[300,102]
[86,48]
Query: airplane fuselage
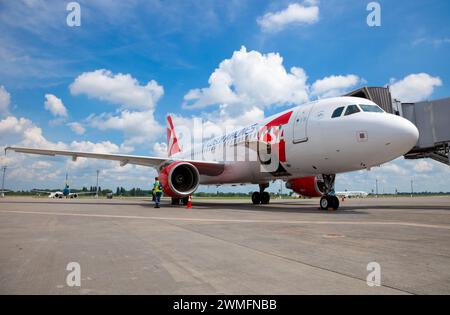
[306,140]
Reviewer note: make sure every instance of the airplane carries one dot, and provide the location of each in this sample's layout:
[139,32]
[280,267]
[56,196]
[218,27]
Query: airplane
[3,192]
[64,193]
[306,146]
[352,194]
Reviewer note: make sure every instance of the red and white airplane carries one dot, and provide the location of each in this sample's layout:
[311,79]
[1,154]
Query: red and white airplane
[306,146]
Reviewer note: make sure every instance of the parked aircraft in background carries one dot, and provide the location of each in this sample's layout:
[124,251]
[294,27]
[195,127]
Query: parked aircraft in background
[306,146]
[3,192]
[352,194]
[65,192]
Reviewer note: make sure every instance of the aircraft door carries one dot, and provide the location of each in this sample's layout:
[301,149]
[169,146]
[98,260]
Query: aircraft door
[301,124]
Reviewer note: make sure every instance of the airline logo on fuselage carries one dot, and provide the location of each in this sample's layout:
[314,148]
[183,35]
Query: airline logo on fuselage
[273,134]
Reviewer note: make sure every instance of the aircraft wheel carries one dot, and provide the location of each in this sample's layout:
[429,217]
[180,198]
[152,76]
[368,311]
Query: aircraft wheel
[324,202]
[185,200]
[265,198]
[175,202]
[329,202]
[335,203]
[256,198]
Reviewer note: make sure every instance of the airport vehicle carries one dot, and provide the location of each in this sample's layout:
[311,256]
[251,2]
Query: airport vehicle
[306,146]
[65,192]
[352,194]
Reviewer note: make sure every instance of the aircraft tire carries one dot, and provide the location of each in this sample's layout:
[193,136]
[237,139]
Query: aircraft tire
[324,202]
[265,198]
[335,202]
[329,202]
[256,198]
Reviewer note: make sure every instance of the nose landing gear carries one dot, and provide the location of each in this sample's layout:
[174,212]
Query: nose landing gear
[329,199]
[261,197]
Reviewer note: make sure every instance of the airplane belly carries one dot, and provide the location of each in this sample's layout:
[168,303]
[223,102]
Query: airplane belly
[236,172]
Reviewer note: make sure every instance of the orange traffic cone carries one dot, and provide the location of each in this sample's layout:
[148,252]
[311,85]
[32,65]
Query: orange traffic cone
[189,204]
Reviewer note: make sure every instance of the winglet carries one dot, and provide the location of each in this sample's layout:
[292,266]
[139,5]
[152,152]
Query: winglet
[173,146]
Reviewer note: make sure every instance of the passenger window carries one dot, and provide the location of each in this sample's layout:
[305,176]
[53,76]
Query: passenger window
[352,109]
[337,112]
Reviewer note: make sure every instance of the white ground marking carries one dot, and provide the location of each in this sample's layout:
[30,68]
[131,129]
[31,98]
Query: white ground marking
[394,223]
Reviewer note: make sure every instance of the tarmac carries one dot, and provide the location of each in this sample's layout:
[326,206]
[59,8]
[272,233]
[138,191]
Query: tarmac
[125,246]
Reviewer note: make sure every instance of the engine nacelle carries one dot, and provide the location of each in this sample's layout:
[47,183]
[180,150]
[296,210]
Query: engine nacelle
[179,179]
[311,186]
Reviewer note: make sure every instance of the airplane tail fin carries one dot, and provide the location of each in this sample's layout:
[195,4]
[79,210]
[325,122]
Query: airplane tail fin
[173,146]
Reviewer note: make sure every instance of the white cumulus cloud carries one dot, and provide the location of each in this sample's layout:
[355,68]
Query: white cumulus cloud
[422,166]
[11,126]
[160,149]
[250,79]
[120,89]
[55,106]
[334,85]
[137,126]
[4,100]
[414,87]
[77,128]
[294,14]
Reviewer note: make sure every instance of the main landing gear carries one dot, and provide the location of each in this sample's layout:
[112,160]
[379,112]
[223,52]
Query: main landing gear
[261,197]
[329,199]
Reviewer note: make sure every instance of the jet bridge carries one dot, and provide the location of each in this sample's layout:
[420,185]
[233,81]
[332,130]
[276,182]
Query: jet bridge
[432,118]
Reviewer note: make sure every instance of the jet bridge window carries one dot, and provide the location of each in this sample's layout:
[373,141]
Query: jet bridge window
[351,109]
[337,112]
[371,108]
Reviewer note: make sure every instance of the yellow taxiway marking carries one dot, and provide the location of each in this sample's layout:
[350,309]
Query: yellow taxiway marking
[394,223]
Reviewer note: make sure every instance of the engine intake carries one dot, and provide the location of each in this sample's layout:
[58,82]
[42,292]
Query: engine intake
[179,179]
[311,186]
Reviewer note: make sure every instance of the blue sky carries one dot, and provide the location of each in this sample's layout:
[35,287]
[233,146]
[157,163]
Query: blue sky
[178,45]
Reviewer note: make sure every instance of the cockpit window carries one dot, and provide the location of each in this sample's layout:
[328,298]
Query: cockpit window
[337,112]
[371,108]
[351,109]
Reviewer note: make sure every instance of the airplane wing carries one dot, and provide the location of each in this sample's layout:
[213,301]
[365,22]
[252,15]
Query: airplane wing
[42,191]
[83,193]
[204,167]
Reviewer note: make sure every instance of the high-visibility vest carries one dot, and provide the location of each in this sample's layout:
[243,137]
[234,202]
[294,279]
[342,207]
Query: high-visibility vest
[157,187]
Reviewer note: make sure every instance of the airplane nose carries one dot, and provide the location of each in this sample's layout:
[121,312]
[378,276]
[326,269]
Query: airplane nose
[405,133]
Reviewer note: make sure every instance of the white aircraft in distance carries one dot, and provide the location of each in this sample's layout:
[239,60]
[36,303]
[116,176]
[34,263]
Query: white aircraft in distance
[3,192]
[352,194]
[64,193]
[306,146]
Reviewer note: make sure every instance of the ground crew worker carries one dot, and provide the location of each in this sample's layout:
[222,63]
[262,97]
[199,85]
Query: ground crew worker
[157,192]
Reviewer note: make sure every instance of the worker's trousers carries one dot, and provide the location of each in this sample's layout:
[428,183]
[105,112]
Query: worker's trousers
[157,198]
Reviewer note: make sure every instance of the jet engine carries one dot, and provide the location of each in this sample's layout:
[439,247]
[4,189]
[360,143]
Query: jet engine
[311,186]
[179,179]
